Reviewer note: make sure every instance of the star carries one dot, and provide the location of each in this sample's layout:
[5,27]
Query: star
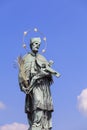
[25,33]
[35,29]
[44,39]
[24,45]
[43,50]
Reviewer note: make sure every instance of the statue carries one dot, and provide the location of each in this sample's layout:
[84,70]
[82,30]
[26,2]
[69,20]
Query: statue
[35,78]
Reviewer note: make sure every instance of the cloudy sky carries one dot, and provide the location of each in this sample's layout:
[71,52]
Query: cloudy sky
[64,23]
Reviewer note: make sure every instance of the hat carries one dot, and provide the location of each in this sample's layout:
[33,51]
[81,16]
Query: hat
[35,40]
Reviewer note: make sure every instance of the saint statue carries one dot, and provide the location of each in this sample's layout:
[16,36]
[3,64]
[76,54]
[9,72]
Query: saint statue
[35,79]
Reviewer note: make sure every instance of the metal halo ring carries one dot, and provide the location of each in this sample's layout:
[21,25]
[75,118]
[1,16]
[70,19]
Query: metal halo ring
[35,30]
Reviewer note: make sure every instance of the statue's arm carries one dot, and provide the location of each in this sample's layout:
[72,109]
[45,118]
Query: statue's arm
[48,70]
[46,66]
[52,71]
[23,84]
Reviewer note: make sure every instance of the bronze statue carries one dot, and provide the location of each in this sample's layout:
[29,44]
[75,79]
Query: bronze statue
[35,78]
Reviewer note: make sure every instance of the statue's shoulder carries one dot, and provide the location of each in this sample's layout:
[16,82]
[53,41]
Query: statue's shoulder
[41,59]
[27,57]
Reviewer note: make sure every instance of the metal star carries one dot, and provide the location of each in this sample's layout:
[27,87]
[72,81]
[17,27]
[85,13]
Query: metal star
[43,50]
[44,39]
[24,45]
[35,29]
[25,33]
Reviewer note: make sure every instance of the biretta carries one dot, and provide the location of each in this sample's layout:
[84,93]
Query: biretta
[35,40]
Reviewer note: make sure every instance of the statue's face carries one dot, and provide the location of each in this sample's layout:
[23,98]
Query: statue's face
[35,47]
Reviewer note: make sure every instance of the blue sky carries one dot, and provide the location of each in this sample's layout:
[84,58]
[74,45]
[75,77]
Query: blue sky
[65,25]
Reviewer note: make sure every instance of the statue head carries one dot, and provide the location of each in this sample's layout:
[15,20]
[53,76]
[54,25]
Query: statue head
[35,44]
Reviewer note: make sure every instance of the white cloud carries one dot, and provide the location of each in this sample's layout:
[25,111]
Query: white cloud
[82,102]
[14,126]
[2,105]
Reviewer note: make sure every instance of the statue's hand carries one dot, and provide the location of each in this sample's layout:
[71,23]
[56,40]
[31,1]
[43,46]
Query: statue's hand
[57,74]
[44,72]
[26,90]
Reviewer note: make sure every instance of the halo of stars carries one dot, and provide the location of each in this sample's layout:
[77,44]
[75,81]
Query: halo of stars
[34,30]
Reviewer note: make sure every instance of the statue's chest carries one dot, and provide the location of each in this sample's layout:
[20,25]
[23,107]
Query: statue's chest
[30,64]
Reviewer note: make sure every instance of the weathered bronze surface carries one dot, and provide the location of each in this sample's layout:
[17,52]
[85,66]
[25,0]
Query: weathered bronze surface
[35,78]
